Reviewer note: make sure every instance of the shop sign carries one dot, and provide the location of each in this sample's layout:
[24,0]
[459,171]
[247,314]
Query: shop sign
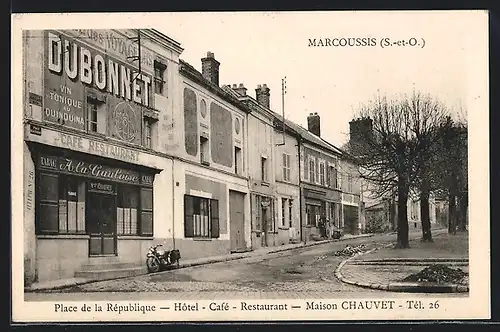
[74,71]
[93,170]
[101,187]
[95,147]
[117,44]
[35,130]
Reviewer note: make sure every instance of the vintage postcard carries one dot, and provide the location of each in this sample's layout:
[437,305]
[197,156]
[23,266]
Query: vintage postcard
[250,166]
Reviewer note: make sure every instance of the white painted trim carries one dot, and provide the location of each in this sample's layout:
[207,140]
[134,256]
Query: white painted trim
[199,193]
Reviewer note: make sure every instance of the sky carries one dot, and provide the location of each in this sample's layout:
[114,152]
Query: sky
[262,48]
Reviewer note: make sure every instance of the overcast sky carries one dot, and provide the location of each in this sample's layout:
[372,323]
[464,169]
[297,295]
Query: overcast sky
[257,48]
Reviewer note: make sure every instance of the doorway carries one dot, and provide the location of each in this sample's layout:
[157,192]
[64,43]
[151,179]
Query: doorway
[237,220]
[101,223]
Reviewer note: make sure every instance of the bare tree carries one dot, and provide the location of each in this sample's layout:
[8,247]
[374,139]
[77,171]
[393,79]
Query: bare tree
[390,154]
[451,171]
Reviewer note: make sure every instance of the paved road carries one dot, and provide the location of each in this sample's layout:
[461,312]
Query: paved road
[300,273]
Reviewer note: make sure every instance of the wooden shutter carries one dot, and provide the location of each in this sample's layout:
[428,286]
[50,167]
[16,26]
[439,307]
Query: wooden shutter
[214,218]
[306,168]
[188,216]
[147,211]
[48,212]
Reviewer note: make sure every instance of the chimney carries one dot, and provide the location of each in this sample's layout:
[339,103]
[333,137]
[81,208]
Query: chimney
[314,124]
[262,95]
[241,90]
[210,68]
[360,131]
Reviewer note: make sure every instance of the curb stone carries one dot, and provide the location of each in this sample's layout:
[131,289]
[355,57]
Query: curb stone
[186,265]
[399,287]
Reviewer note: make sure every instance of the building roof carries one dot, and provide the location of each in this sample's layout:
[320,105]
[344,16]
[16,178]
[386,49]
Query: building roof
[292,127]
[190,72]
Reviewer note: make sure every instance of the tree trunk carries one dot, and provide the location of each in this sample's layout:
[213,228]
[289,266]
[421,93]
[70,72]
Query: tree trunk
[425,213]
[403,241]
[462,215]
[451,214]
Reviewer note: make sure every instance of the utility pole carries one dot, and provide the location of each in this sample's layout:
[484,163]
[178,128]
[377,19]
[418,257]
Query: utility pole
[283,93]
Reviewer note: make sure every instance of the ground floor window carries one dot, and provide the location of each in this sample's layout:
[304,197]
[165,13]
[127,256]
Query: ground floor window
[201,217]
[263,213]
[313,214]
[67,204]
[61,208]
[127,210]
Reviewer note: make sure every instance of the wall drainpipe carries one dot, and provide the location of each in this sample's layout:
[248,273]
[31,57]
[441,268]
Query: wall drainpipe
[173,204]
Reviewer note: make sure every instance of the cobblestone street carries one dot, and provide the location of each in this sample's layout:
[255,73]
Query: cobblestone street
[299,273]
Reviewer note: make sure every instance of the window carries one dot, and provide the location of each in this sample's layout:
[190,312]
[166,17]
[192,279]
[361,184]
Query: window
[322,173]
[237,160]
[263,169]
[290,206]
[312,171]
[159,77]
[286,167]
[62,205]
[333,177]
[313,215]
[92,117]
[349,183]
[201,217]
[283,212]
[148,133]
[204,150]
[96,118]
[127,211]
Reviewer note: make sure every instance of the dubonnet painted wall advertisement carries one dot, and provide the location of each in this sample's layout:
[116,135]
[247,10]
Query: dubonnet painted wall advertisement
[80,78]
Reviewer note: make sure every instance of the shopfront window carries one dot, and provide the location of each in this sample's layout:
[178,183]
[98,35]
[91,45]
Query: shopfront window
[62,205]
[313,213]
[201,217]
[70,204]
[127,210]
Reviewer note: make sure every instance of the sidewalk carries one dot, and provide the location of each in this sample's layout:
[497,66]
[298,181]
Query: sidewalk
[62,283]
[385,268]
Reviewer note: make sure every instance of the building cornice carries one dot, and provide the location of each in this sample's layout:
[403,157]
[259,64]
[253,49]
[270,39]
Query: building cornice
[163,40]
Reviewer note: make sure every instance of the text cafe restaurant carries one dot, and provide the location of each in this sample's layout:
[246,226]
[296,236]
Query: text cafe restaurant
[91,176]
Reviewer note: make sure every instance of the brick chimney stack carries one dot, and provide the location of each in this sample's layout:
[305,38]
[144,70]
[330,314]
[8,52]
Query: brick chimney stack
[360,131]
[314,124]
[262,95]
[241,90]
[210,68]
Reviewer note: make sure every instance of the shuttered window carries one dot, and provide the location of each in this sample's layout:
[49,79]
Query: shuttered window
[147,211]
[201,217]
[48,214]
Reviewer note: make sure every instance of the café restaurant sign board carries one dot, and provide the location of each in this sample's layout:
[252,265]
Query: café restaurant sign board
[93,170]
[78,67]
[87,145]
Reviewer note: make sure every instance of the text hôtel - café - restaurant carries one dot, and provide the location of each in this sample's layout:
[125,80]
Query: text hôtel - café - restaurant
[91,175]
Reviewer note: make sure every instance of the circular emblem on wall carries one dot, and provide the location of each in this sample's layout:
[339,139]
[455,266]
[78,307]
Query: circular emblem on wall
[237,125]
[126,124]
[203,108]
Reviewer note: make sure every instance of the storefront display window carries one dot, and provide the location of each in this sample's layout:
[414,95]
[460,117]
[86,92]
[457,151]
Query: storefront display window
[127,210]
[70,204]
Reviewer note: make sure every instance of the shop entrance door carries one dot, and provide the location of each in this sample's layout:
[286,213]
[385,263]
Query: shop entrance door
[101,222]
